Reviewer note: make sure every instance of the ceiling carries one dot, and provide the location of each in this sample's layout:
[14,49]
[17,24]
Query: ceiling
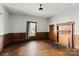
[50,9]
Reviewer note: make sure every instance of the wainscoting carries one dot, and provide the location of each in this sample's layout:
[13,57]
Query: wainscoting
[19,37]
[15,37]
[5,40]
[42,35]
[39,35]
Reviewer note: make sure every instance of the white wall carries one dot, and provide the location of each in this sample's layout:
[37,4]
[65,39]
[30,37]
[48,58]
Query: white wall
[4,20]
[1,25]
[1,20]
[70,14]
[7,21]
[19,22]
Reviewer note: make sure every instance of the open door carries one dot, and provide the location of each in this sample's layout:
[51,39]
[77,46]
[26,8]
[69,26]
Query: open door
[31,30]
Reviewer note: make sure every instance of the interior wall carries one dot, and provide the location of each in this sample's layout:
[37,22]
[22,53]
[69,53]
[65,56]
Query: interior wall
[68,15]
[1,20]
[19,23]
[7,22]
[1,26]
[4,20]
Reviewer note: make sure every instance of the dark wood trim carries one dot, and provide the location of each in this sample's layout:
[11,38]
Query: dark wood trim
[42,35]
[22,36]
[18,36]
[73,35]
[57,33]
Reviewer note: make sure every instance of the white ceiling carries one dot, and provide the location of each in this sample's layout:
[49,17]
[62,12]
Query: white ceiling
[50,9]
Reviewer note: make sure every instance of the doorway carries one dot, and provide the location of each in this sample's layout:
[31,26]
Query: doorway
[31,29]
[65,33]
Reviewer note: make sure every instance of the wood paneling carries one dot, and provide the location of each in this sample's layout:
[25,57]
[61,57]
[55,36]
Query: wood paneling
[4,40]
[22,36]
[42,35]
[7,38]
[16,37]
[39,35]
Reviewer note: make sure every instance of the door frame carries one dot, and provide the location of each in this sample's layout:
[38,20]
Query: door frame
[27,28]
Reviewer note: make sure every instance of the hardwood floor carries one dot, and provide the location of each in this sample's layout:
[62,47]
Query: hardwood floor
[37,48]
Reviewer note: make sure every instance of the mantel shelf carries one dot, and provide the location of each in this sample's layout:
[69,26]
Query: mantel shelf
[67,31]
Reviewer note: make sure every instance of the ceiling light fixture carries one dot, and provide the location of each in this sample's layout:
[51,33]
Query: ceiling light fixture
[40,7]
